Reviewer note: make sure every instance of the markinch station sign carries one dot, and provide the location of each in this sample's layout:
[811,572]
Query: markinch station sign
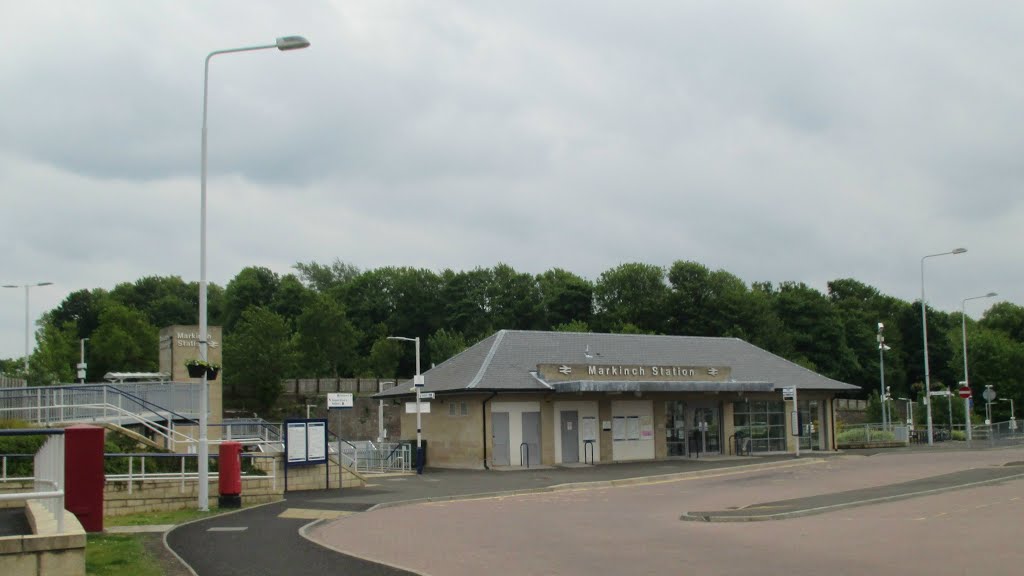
[629,372]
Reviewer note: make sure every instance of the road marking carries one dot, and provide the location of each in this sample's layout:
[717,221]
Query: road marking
[312,514]
[227,529]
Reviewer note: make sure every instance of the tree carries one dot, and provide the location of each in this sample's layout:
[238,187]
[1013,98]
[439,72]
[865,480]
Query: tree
[465,302]
[258,356]
[252,287]
[1006,317]
[291,299]
[565,298]
[55,356]
[383,361]
[574,326]
[125,341]
[631,294]
[444,344]
[327,341]
[322,278]
[515,300]
[816,329]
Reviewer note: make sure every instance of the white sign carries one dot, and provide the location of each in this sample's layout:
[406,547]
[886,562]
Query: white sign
[316,441]
[410,407]
[418,380]
[426,395]
[296,442]
[339,400]
[787,393]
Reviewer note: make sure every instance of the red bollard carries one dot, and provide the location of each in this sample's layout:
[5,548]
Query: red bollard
[83,475]
[230,475]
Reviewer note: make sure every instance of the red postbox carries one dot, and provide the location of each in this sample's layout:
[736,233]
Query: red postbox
[83,475]
[230,475]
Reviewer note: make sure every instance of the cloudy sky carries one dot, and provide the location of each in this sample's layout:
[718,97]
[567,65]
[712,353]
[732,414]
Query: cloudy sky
[777,140]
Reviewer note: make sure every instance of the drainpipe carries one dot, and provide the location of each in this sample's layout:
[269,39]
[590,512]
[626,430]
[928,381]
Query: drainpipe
[484,431]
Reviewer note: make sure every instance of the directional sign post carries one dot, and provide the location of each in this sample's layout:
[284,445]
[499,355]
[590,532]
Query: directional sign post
[965,392]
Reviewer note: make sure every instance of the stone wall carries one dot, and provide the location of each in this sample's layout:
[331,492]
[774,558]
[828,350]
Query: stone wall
[45,552]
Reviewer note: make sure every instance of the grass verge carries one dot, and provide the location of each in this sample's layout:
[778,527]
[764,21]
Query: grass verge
[118,555]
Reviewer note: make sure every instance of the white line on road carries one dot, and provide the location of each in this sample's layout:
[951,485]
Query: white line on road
[227,529]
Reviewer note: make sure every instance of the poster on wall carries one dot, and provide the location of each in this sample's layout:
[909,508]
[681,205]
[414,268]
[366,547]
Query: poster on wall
[295,438]
[618,428]
[646,428]
[633,428]
[589,428]
[316,442]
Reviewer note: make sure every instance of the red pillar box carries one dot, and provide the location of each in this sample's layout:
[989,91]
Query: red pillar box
[83,475]
[230,475]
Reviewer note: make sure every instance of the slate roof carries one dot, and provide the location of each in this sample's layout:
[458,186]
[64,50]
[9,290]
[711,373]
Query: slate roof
[507,361]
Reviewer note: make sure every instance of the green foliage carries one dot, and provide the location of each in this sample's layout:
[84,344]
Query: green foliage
[258,357]
[859,434]
[28,445]
[333,321]
[444,344]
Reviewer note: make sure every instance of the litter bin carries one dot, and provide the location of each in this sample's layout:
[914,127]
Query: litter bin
[230,475]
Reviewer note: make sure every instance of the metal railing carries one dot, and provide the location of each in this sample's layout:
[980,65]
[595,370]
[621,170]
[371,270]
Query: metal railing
[185,471]
[367,457]
[48,467]
[267,436]
[44,405]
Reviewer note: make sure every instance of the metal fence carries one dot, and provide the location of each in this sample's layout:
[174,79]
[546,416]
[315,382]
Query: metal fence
[368,457]
[44,405]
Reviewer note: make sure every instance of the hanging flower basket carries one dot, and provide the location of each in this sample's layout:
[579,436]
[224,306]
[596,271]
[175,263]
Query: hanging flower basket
[197,368]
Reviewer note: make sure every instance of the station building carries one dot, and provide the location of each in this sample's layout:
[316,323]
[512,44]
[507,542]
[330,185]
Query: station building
[520,398]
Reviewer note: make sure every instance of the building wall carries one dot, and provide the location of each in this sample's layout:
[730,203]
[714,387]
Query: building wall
[584,408]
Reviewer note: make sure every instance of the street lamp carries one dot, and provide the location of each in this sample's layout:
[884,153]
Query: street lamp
[967,381]
[418,384]
[924,332]
[81,361]
[881,375]
[380,411]
[283,43]
[27,331]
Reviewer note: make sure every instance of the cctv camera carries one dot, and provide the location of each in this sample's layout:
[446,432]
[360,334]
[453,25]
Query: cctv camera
[880,325]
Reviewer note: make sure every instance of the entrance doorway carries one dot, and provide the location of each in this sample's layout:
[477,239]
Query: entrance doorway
[499,427]
[530,448]
[675,428]
[570,436]
[706,439]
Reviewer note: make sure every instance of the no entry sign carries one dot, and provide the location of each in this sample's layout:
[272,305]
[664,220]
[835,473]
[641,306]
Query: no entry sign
[965,391]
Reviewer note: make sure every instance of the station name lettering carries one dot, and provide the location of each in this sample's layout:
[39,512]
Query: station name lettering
[191,340]
[640,371]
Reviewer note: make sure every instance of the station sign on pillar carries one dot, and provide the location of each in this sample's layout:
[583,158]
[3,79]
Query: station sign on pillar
[794,425]
[418,380]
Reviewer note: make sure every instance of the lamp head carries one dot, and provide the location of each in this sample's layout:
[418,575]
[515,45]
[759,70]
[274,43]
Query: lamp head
[991,294]
[44,284]
[292,43]
[959,250]
[11,286]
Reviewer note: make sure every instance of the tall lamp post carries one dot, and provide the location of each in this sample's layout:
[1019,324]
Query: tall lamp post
[27,325]
[967,380]
[283,43]
[924,333]
[881,376]
[418,384]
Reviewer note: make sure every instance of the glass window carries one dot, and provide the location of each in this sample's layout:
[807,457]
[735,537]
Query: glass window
[763,421]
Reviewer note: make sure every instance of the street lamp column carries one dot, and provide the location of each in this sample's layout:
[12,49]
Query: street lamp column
[881,375]
[28,331]
[283,43]
[924,333]
[418,385]
[967,380]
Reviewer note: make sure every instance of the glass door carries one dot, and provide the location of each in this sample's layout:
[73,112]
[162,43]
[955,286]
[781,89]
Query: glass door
[810,411]
[705,431]
[675,428]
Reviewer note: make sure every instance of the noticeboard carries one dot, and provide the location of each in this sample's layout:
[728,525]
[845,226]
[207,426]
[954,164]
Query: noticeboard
[305,441]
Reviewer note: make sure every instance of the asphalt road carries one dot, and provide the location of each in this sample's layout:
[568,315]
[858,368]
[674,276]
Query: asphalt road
[599,521]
